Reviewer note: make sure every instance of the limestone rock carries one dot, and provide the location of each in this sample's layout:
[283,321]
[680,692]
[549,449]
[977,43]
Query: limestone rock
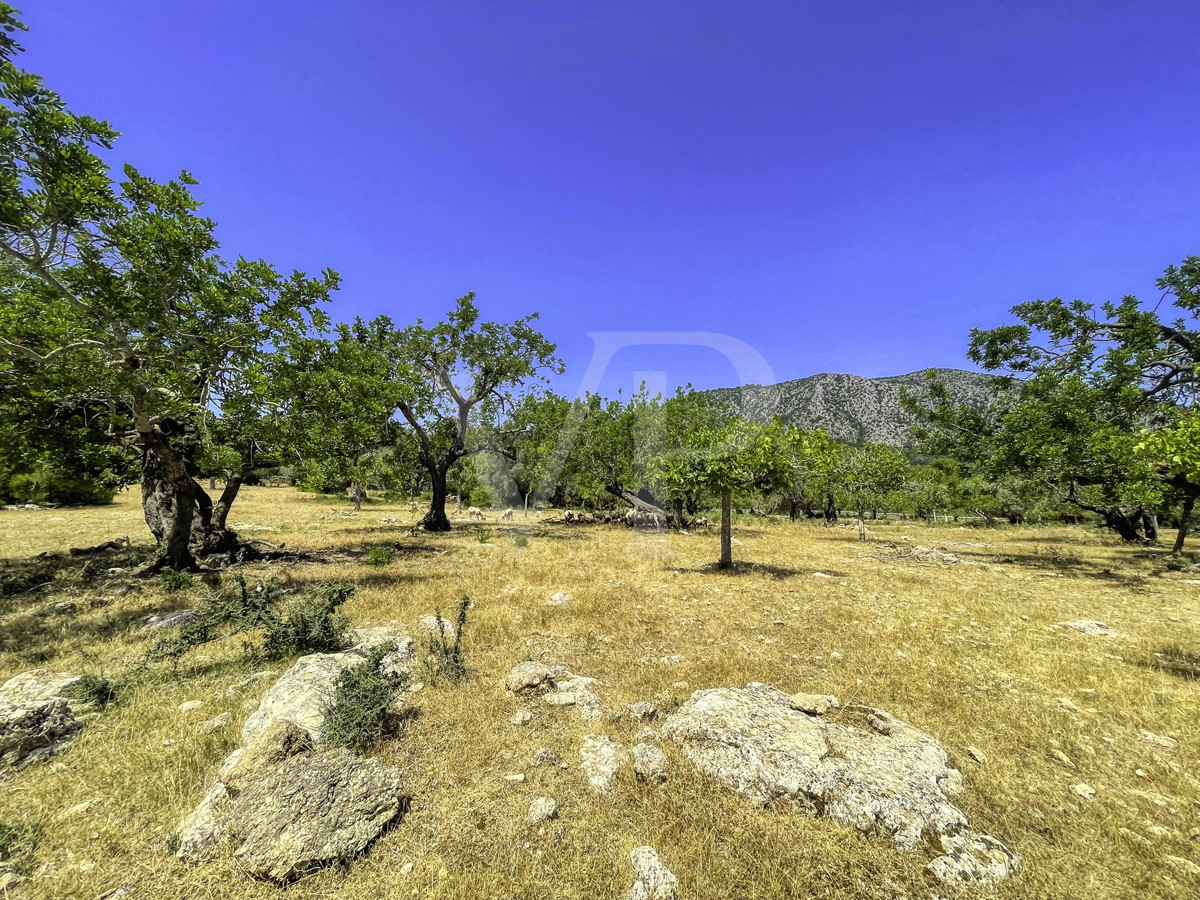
[431,625]
[650,763]
[522,717]
[868,770]
[1090,627]
[529,677]
[640,712]
[545,757]
[1083,791]
[288,809]
[169,620]
[216,723]
[300,694]
[190,706]
[36,722]
[654,880]
[311,810]
[1183,866]
[814,704]
[561,598]
[600,760]
[542,809]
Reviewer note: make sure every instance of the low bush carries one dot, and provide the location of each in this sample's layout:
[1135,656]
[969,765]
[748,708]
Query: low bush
[379,556]
[312,624]
[445,657]
[171,581]
[357,717]
[17,846]
[93,689]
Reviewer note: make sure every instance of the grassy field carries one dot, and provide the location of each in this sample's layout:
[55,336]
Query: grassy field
[968,652]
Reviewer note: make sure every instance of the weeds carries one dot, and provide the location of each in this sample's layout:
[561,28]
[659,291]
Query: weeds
[379,556]
[17,846]
[521,541]
[445,659]
[171,581]
[93,689]
[484,535]
[309,625]
[357,718]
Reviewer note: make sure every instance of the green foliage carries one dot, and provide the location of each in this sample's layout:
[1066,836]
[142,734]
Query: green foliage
[171,581]
[357,716]
[445,658]
[93,689]
[379,556]
[483,535]
[21,577]
[310,624]
[521,541]
[18,844]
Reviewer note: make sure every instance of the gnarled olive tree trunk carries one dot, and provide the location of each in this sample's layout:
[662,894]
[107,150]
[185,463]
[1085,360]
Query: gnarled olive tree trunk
[169,503]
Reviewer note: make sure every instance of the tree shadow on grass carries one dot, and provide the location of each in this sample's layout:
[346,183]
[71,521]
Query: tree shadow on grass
[740,568]
[1176,661]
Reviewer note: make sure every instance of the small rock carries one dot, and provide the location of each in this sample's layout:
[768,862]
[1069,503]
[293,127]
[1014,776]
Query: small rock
[406,869]
[64,608]
[1062,758]
[835,655]
[561,598]
[1133,837]
[523,717]
[654,881]
[1140,773]
[650,763]
[821,575]
[1065,703]
[169,620]
[248,682]
[1089,627]
[1083,791]
[640,712]
[681,686]
[529,677]
[976,754]
[515,778]
[189,706]
[601,759]
[1183,866]
[546,757]
[434,625]
[647,735]
[542,809]
[217,722]
[814,704]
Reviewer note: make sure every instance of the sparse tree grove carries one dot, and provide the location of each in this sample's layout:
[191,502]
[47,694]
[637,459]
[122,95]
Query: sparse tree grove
[131,351]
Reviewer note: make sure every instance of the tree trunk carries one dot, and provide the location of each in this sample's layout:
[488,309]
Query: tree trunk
[726,533]
[169,504]
[212,483]
[679,520]
[435,519]
[527,504]
[1150,526]
[357,494]
[1185,521]
[831,515]
[862,525]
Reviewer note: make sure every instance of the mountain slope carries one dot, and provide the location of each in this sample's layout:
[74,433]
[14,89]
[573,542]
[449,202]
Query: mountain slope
[852,408]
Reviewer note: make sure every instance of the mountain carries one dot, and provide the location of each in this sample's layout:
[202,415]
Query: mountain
[853,409]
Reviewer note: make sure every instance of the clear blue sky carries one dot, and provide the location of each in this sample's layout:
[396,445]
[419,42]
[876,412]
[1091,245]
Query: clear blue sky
[844,186]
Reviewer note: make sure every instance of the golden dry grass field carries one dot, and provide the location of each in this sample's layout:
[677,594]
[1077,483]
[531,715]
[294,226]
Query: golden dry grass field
[969,653]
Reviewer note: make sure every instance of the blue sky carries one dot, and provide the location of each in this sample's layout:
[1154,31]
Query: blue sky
[842,186]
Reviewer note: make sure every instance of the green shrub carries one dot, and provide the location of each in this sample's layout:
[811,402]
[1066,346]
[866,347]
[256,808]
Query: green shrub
[445,658]
[483,535]
[311,624]
[171,581]
[93,689]
[521,541]
[379,556]
[357,716]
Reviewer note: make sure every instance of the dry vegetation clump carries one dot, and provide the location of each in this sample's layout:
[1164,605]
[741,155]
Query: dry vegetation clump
[969,651]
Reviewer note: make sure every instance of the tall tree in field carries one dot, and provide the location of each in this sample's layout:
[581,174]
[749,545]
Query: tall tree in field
[113,295]
[1078,385]
[459,368]
[866,474]
[736,456]
[812,457]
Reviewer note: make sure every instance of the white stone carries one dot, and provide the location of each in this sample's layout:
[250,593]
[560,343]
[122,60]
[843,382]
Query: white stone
[654,880]
[542,809]
[600,760]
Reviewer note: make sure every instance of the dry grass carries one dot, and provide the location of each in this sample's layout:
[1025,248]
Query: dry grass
[967,652]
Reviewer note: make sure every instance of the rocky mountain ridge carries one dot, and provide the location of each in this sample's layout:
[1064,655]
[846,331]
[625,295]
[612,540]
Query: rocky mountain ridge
[852,408]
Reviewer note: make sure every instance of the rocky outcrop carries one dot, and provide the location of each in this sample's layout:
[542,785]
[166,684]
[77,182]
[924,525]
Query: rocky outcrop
[556,686]
[36,720]
[286,805]
[863,768]
[1089,627]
